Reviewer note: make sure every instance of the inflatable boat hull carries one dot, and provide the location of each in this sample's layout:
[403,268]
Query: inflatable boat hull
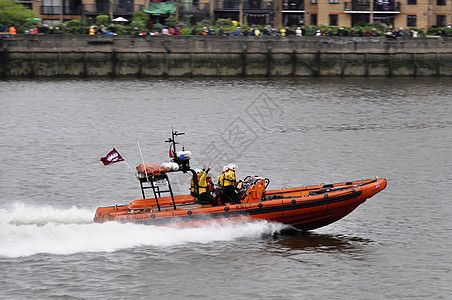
[305,208]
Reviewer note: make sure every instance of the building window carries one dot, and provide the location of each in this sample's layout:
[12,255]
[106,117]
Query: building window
[333,1]
[50,7]
[440,21]
[314,19]
[333,20]
[411,20]
[440,2]
[411,2]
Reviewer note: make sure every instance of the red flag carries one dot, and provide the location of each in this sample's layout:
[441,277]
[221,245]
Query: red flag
[171,154]
[112,157]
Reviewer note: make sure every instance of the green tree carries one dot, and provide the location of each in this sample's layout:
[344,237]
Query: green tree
[102,20]
[13,13]
[224,22]
[140,15]
[172,21]
[76,26]
[139,19]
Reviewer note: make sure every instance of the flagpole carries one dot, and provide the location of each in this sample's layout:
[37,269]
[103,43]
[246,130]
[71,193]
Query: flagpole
[134,174]
[142,160]
[130,167]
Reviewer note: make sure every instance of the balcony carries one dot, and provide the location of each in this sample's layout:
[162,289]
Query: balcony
[378,7]
[227,5]
[56,10]
[92,9]
[293,6]
[252,5]
[257,5]
[118,9]
[189,7]
[28,4]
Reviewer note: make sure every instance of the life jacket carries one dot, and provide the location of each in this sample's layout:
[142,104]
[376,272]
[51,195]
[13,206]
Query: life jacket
[12,30]
[227,179]
[192,185]
[203,185]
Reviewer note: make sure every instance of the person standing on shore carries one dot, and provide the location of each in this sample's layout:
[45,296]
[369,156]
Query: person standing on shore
[298,32]
[257,32]
[282,31]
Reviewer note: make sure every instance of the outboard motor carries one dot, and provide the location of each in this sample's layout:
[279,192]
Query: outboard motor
[252,189]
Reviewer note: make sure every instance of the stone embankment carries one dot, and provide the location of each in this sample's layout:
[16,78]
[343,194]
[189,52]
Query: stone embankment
[41,56]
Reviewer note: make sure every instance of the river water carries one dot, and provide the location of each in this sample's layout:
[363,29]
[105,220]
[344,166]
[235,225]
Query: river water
[295,132]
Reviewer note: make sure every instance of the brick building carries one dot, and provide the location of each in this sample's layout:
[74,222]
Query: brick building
[348,13]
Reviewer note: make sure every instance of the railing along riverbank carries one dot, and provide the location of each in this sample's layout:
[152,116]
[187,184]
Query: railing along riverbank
[35,56]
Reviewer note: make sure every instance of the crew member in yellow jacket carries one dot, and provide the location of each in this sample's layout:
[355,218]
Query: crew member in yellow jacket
[203,196]
[227,182]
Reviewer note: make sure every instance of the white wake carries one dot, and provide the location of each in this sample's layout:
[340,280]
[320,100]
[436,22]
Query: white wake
[26,230]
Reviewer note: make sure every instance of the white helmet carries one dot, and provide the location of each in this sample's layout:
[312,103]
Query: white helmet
[232,166]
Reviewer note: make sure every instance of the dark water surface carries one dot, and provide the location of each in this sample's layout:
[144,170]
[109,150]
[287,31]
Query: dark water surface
[397,245]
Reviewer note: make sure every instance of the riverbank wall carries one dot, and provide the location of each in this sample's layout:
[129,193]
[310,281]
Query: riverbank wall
[84,56]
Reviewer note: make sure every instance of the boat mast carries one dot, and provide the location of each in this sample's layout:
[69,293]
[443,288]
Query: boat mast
[183,163]
[173,141]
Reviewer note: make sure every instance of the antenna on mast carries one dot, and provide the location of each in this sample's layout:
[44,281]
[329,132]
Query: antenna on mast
[172,141]
[181,158]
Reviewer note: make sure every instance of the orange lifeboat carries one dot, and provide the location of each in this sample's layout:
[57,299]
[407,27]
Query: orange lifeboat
[306,208]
